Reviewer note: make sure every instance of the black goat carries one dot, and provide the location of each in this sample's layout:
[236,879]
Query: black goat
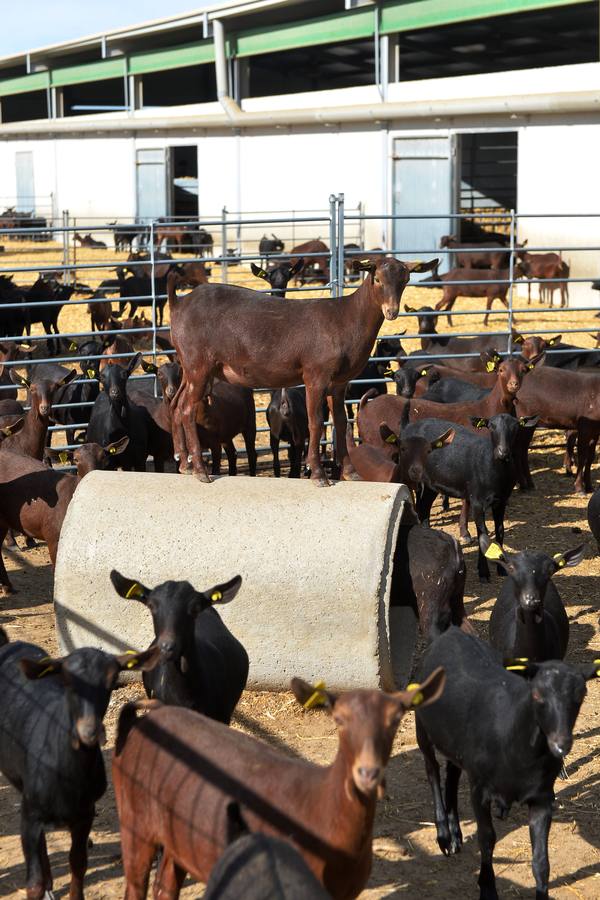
[202,665]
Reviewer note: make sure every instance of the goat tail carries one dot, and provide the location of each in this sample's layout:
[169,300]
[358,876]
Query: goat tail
[173,279]
[128,718]
[369,395]
[285,403]
[3,637]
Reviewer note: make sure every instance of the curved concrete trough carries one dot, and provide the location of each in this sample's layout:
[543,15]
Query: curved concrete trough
[316,567]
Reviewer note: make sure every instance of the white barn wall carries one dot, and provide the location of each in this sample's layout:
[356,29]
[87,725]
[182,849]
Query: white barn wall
[556,169]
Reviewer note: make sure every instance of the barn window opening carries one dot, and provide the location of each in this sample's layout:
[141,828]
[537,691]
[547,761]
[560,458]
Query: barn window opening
[488,178]
[184,181]
[550,37]
[327,67]
[177,87]
[23,107]
[94,97]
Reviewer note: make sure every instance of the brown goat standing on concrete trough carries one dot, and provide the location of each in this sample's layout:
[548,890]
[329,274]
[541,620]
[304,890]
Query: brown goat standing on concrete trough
[245,338]
[172,757]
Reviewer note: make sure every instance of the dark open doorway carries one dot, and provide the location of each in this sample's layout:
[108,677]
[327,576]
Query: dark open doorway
[488,178]
[184,181]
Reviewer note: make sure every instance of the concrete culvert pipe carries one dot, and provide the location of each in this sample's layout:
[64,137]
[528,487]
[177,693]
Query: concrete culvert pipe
[316,567]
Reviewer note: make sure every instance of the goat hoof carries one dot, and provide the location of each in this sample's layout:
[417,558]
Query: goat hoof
[484,579]
[466,540]
[351,476]
[6,590]
[320,482]
[580,494]
[203,476]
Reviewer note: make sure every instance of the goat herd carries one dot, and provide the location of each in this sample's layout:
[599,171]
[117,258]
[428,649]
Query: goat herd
[198,797]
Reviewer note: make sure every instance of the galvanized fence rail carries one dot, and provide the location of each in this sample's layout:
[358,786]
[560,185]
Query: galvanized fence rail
[67,263]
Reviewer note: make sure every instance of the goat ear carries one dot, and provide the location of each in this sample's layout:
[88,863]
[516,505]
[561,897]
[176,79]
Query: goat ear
[40,668]
[258,271]
[149,367]
[60,456]
[128,587]
[144,660]
[490,360]
[13,428]
[297,267]
[446,438]
[309,695]
[224,593]
[590,670]
[555,340]
[521,665]
[570,558]
[387,434]
[528,421]
[409,309]
[117,446]
[423,694]
[363,265]
[67,378]
[19,376]
[479,421]
[134,363]
[418,265]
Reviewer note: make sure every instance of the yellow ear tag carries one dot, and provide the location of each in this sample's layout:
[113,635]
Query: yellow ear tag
[317,698]
[597,663]
[391,439]
[494,551]
[418,697]
[134,591]
[132,662]
[519,668]
[63,457]
[216,596]
[438,444]
[490,366]
[91,373]
[48,669]
[423,371]
[480,423]
[8,431]
[389,371]
[113,450]
[559,560]
[551,342]
[518,339]
[72,346]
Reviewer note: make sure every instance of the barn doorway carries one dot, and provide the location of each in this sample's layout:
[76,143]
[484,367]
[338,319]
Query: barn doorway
[423,186]
[184,182]
[488,179]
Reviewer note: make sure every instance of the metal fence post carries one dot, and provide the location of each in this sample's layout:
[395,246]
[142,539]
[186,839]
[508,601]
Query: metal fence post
[511,265]
[66,239]
[333,244]
[153,289]
[340,243]
[224,244]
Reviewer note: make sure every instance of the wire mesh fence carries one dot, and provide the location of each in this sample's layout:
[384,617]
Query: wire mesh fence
[70,282]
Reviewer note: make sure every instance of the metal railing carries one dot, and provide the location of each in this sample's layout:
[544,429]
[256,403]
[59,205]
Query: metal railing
[89,266]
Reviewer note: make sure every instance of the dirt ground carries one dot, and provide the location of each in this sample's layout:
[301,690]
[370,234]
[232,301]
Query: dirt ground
[407,862]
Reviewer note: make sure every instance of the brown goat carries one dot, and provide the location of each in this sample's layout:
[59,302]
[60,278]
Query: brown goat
[112,355]
[243,337]
[34,498]
[545,265]
[31,440]
[495,288]
[313,253]
[173,756]
[510,373]
[406,465]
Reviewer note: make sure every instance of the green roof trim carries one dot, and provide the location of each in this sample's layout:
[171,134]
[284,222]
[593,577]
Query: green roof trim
[408,15]
[171,58]
[94,71]
[39,81]
[346,26]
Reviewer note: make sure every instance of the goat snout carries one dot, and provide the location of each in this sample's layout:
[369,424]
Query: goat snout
[167,647]
[114,394]
[44,408]
[390,312]
[90,731]
[415,473]
[560,746]
[367,778]
[530,600]
[502,453]
[512,387]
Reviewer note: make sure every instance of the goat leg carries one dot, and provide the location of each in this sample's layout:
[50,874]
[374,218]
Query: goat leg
[540,820]
[314,408]
[486,837]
